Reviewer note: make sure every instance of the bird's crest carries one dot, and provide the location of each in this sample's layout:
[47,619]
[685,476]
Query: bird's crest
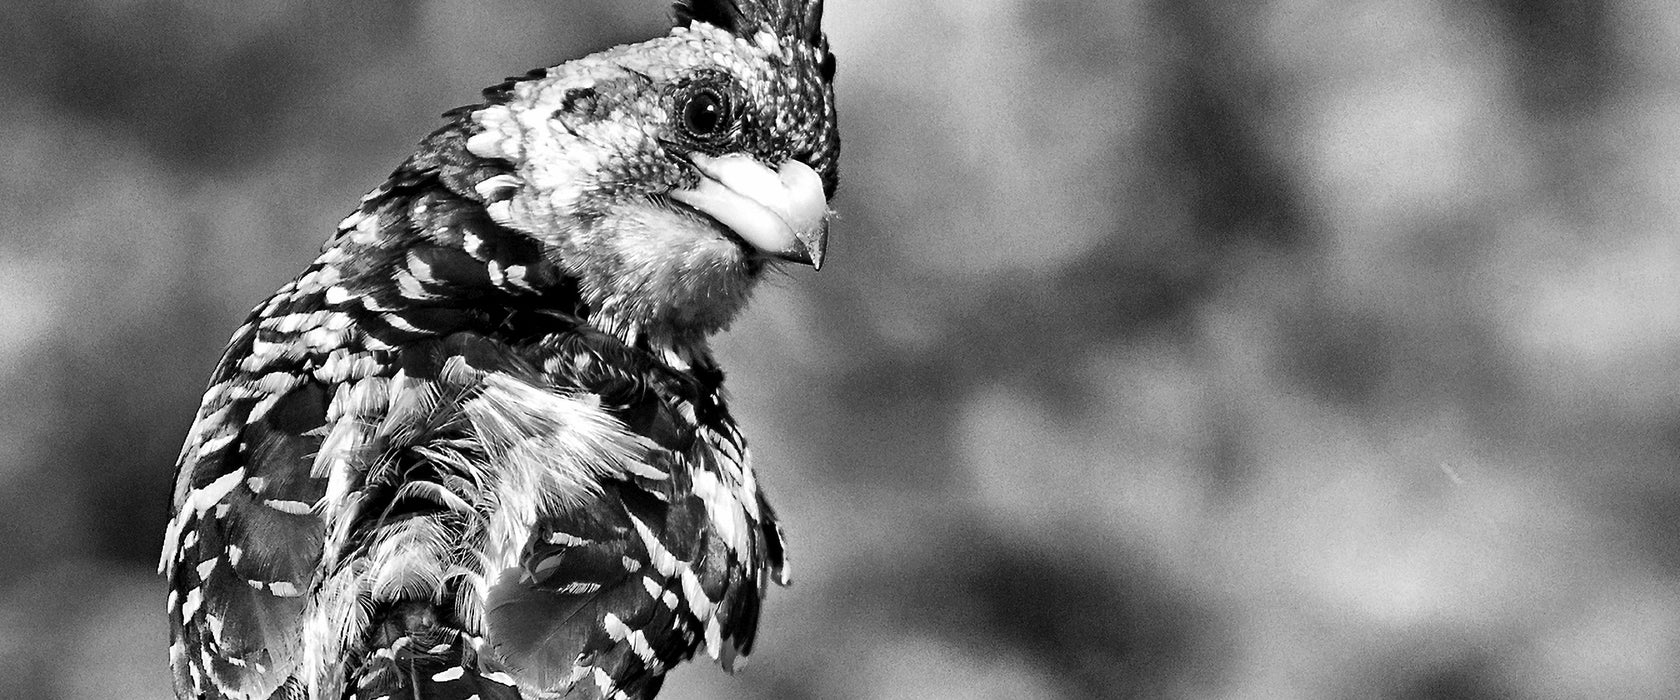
[800,19]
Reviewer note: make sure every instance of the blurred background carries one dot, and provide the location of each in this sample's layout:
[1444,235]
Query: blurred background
[1189,349]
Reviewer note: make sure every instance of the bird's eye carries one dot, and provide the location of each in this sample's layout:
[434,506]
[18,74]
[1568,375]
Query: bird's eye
[705,114]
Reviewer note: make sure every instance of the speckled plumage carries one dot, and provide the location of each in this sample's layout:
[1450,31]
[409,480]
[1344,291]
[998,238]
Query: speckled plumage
[479,447]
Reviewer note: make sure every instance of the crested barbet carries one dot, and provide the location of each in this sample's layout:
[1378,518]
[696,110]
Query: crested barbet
[479,447]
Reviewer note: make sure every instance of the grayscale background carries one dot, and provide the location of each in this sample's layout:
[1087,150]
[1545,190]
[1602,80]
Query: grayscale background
[1173,349]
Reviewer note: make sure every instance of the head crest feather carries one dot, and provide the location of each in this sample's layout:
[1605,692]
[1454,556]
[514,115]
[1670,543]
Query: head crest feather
[800,19]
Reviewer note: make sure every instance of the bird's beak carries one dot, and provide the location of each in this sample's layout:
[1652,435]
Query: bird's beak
[780,212]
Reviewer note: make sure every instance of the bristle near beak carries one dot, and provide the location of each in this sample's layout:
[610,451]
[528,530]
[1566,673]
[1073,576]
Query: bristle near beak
[782,213]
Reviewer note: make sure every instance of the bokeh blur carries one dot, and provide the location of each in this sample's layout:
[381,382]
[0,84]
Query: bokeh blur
[1188,349]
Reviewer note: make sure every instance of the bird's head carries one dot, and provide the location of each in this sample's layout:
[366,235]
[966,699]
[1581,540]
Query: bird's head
[665,176]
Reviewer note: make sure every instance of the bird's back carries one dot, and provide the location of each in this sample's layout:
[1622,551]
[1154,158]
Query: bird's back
[381,476]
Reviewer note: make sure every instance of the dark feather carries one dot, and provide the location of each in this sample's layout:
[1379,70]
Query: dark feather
[789,18]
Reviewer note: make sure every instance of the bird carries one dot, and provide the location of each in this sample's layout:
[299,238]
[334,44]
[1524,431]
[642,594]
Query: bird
[480,447]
